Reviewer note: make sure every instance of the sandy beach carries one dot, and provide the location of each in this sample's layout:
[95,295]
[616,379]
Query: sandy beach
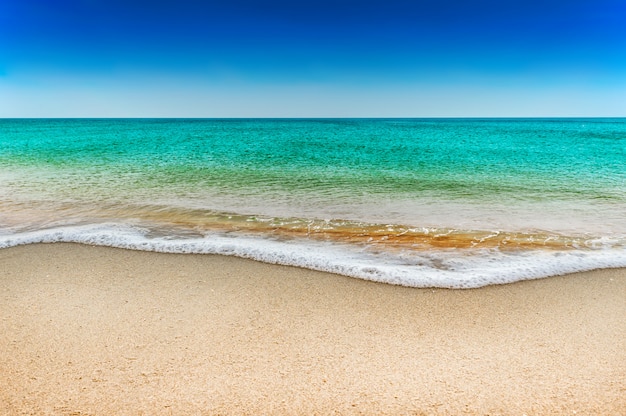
[99,331]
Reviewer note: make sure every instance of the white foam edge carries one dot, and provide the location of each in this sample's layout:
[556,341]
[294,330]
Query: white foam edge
[448,268]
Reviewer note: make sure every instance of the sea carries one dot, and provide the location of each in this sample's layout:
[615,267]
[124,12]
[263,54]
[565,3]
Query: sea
[450,203]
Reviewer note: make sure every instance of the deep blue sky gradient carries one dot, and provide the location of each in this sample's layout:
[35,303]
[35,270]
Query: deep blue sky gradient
[243,58]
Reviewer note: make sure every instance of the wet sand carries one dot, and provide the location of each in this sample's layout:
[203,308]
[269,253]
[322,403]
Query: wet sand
[96,330]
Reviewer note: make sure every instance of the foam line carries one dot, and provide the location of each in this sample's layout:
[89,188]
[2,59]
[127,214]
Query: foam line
[450,268]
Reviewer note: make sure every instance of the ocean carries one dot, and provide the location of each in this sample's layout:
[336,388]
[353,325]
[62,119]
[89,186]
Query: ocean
[454,203]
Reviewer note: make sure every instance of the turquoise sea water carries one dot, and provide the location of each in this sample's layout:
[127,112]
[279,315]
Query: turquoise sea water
[418,202]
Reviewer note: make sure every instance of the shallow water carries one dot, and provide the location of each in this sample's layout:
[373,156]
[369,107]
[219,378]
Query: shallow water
[418,202]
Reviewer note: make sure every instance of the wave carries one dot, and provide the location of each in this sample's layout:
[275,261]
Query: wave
[443,267]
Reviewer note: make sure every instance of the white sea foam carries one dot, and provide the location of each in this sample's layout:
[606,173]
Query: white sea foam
[448,268]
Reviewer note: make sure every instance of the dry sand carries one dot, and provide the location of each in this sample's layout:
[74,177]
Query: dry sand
[95,330]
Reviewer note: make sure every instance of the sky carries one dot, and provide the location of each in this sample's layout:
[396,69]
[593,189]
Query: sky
[242,58]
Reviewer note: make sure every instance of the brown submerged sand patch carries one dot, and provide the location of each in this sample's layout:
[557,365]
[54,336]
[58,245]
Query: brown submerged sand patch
[189,223]
[382,235]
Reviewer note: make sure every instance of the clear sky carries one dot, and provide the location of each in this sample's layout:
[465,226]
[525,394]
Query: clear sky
[242,58]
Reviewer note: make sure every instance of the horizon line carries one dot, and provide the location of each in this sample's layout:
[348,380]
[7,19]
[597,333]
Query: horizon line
[312,118]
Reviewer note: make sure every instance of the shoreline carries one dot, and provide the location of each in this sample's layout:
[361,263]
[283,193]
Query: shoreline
[462,268]
[100,330]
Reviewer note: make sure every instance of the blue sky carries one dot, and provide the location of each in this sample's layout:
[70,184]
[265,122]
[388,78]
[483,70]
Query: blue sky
[240,58]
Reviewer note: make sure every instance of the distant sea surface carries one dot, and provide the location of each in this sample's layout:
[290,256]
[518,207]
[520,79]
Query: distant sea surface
[454,203]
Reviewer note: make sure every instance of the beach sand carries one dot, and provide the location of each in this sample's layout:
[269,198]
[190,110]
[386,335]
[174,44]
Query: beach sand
[97,330]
